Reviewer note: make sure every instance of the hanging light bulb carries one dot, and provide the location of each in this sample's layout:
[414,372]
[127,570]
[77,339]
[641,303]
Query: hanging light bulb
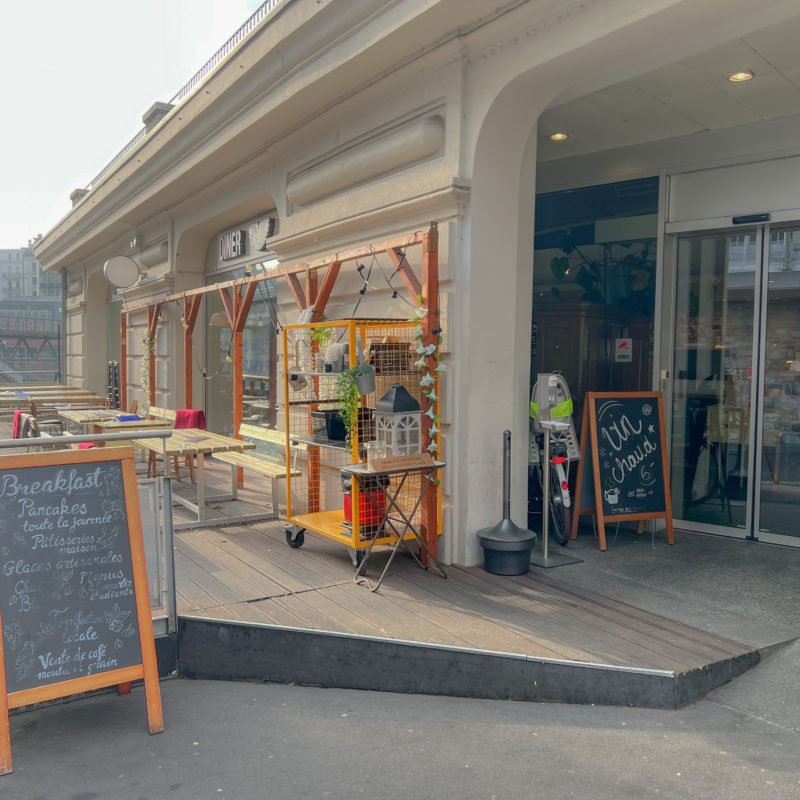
[228,359]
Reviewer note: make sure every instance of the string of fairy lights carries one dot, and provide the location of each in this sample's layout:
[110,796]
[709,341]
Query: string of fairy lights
[272,311]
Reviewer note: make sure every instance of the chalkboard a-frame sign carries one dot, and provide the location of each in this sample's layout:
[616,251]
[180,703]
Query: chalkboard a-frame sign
[624,474]
[74,601]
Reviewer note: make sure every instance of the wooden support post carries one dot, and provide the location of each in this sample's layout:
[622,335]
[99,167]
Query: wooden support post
[430,335]
[237,308]
[242,305]
[153,313]
[312,287]
[123,361]
[272,419]
[191,307]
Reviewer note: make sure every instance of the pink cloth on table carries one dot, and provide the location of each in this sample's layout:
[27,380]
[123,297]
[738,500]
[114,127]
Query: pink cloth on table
[17,415]
[190,418]
[85,445]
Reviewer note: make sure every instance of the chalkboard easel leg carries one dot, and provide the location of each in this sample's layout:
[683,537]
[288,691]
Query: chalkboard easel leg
[155,719]
[124,688]
[5,728]
[5,744]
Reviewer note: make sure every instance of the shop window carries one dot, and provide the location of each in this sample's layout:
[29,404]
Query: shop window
[259,346]
[594,286]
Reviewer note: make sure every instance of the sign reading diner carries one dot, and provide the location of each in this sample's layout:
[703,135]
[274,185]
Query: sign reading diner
[232,245]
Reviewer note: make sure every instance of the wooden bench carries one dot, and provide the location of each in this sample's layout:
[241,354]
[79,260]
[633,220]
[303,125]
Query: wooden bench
[270,463]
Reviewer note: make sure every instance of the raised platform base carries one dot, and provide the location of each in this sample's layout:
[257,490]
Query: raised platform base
[218,650]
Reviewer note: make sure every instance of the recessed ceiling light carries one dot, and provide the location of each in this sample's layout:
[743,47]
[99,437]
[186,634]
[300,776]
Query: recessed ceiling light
[739,77]
[559,137]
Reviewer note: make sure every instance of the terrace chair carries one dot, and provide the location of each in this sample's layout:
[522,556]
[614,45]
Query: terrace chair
[53,425]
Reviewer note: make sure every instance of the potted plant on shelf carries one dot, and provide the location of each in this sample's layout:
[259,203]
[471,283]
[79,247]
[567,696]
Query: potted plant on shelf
[350,385]
[364,378]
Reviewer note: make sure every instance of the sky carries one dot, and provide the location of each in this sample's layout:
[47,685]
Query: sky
[76,77]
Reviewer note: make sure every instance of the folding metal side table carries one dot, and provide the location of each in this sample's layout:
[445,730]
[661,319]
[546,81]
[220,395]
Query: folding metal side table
[393,518]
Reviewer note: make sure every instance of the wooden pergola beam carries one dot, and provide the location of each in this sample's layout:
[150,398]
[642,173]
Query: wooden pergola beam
[191,307]
[153,313]
[297,291]
[328,282]
[244,308]
[227,303]
[296,269]
[403,269]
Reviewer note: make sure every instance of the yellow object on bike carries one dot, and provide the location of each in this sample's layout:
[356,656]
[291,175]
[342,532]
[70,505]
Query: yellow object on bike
[563,409]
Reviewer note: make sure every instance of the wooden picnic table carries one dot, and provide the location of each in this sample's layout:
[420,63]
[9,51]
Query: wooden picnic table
[87,416]
[11,400]
[196,444]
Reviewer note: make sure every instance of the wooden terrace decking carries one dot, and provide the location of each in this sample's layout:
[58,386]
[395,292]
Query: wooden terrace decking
[248,573]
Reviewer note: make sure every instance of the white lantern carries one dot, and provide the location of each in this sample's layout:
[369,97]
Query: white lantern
[398,422]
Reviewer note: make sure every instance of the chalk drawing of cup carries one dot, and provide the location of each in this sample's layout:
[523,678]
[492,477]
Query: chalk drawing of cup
[612,496]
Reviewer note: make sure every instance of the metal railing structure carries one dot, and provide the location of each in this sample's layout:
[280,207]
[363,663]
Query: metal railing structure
[54,442]
[30,353]
[259,14]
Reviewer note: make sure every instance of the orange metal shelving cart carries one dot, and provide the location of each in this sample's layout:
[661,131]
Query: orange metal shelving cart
[315,500]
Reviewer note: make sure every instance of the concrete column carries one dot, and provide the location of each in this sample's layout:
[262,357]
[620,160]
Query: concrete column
[494,322]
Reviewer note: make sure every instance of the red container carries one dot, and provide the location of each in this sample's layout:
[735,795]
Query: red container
[370,517]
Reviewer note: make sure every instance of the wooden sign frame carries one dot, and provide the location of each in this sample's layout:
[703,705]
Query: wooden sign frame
[589,430]
[148,669]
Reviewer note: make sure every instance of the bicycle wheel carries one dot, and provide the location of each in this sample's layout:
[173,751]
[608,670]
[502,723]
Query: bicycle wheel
[559,515]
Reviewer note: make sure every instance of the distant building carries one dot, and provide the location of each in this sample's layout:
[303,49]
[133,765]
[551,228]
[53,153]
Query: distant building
[30,318]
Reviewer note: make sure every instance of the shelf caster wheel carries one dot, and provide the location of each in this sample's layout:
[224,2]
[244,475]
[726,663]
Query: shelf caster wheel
[294,537]
[356,556]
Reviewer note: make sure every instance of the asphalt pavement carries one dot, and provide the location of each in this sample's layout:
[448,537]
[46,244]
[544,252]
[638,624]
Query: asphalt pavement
[226,741]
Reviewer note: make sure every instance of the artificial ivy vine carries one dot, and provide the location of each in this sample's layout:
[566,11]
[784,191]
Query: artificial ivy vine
[149,343]
[428,381]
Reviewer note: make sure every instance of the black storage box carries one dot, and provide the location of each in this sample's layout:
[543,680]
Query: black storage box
[328,424]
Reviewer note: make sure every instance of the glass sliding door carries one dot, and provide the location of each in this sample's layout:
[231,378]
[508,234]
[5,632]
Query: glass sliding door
[778,504]
[712,378]
[735,444]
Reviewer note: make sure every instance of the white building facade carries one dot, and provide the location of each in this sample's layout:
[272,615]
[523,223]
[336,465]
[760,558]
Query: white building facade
[339,123]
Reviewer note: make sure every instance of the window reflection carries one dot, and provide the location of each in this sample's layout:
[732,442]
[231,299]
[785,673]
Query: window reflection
[259,348]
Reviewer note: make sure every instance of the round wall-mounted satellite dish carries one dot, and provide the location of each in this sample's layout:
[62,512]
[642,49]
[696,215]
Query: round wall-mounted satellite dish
[121,271]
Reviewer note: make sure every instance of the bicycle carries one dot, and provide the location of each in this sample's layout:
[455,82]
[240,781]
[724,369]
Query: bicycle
[563,450]
[560,499]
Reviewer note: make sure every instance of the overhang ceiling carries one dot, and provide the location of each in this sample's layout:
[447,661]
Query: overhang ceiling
[689,96]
